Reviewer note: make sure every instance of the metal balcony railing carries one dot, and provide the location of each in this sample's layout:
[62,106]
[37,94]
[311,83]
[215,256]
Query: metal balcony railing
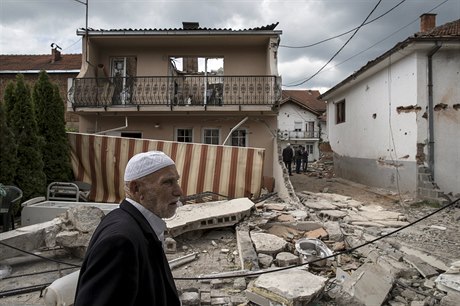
[175,91]
[293,135]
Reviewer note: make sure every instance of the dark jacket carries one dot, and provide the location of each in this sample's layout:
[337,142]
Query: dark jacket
[125,264]
[288,154]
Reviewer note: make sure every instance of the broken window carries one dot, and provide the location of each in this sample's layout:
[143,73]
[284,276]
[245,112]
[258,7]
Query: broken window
[197,80]
[310,129]
[239,138]
[309,148]
[122,71]
[211,136]
[340,112]
[184,135]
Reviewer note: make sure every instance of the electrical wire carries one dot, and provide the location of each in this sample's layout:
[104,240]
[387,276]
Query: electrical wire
[341,48]
[39,256]
[375,44]
[340,35]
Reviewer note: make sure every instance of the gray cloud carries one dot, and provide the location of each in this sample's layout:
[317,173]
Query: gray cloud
[30,26]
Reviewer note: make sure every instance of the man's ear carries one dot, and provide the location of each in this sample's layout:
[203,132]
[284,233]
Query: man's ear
[133,187]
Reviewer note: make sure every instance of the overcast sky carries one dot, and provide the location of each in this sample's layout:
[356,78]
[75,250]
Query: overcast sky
[30,26]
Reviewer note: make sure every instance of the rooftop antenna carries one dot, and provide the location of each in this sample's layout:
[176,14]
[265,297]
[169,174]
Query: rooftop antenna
[86,27]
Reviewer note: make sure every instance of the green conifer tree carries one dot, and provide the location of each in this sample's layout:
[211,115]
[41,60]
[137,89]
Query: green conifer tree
[49,110]
[29,174]
[8,150]
[9,99]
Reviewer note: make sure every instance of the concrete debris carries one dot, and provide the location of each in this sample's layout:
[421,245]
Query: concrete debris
[270,235]
[368,285]
[208,215]
[449,281]
[288,287]
[267,243]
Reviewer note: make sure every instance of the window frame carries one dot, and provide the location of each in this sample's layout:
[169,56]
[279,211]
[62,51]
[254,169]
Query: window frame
[340,108]
[238,137]
[203,137]
[176,134]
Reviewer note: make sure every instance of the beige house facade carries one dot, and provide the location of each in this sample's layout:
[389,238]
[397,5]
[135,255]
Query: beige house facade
[190,84]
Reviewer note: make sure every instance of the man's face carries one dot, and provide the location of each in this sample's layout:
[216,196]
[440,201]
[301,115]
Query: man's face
[160,191]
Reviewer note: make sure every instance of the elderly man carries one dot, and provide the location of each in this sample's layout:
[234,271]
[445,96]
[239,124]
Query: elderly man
[125,263]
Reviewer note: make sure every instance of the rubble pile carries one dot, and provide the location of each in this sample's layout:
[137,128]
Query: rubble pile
[380,273]
[324,249]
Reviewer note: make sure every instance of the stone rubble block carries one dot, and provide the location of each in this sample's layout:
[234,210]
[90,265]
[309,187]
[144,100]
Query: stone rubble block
[85,218]
[272,206]
[333,230]
[285,259]
[265,260]
[319,233]
[268,243]
[72,239]
[288,287]
[299,215]
[190,298]
[320,205]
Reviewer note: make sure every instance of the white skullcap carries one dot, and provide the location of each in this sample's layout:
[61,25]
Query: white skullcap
[146,163]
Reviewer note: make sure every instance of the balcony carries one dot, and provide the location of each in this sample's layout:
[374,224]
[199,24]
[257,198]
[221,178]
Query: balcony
[298,135]
[175,92]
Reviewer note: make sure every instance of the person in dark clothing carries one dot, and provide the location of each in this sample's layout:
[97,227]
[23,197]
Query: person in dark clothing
[125,263]
[298,159]
[305,160]
[288,155]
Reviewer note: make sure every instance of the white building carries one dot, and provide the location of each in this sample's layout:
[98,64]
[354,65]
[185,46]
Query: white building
[395,123]
[301,121]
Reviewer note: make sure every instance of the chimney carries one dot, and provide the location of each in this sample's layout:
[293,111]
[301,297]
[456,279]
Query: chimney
[427,22]
[190,25]
[55,53]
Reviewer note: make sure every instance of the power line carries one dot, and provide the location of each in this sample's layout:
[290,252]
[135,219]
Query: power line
[349,39]
[337,36]
[380,41]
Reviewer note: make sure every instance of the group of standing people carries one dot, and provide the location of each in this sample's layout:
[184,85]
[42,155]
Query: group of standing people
[299,156]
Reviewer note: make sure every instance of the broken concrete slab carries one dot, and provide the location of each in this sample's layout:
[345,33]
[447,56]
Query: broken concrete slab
[424,268]
[368,285]
[208,215]
[288,287]
[319,205]
[333,230]
[267,243]
[30,238]
[432,261]
[448,282]
[286,232]
[248,255]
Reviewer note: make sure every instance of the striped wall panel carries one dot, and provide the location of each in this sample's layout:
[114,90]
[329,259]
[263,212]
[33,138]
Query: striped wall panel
[231,171]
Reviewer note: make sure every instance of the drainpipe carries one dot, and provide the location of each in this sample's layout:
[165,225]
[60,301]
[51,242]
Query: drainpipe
[234,128]
[115,129]
[431,109]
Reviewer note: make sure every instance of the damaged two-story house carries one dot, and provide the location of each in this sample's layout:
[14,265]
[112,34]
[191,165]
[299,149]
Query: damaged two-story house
[301,121]
[187,85]
[395,123]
